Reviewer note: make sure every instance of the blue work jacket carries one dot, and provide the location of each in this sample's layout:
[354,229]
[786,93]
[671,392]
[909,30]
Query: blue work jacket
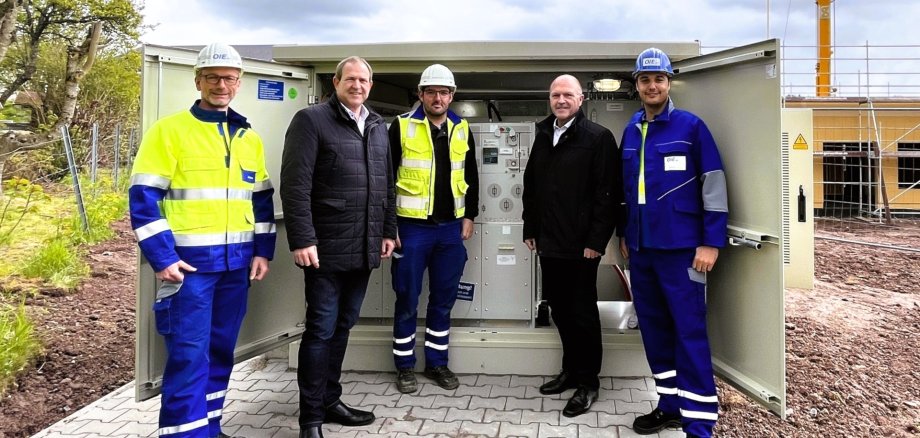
[686,202]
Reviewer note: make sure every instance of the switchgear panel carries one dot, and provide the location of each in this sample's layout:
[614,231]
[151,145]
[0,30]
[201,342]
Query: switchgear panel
[502,152]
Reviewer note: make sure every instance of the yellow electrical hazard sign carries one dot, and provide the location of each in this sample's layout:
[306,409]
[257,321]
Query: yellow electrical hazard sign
[800,143]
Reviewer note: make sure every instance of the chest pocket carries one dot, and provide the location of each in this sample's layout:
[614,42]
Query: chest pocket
[674,156]
[630,161]
[248,171]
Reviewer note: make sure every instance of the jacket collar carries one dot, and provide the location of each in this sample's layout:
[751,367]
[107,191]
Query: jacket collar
[233,118]
[339,110]
[663,117]
[546,125]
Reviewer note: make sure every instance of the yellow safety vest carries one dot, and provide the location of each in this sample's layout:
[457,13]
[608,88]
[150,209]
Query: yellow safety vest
[415,175]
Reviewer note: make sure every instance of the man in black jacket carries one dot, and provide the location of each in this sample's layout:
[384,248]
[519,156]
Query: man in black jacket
[338,198]
[572,192]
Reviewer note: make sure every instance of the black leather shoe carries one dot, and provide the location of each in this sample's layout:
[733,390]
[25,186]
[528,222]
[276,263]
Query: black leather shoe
[558,385]
[347,416]
[223,435]
[406,381]
[580,402]
[311,432]
[655,421]
[443,376]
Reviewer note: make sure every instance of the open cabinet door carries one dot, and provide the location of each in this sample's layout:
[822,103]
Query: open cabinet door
[737,93]
[269,96]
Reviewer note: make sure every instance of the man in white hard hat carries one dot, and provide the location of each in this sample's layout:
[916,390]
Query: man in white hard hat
[677,217]
[571,195]
[339,207]
[437,199]
[201,209]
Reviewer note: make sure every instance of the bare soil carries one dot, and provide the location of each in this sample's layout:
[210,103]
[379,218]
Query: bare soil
[852,343]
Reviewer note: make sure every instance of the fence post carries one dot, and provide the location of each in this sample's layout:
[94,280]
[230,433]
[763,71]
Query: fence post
[117,155]
[94,158]
[72,164]
[131,148]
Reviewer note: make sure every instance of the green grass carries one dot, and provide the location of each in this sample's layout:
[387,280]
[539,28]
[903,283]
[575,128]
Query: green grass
[57,263]
[18,344]
[46,244]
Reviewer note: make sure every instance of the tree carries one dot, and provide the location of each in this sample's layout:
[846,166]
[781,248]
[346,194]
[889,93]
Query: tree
[67,21]
[84,27]
[79,61]
[9,12]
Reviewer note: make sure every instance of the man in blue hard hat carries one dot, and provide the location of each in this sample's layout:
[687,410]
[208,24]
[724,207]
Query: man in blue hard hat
[677,215]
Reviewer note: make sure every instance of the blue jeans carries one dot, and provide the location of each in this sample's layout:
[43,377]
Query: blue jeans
[438,248]
[333,305]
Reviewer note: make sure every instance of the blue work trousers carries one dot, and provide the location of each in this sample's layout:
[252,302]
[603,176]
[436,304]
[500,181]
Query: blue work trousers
[200,323]
[333,306]
[670,300]
[438,248]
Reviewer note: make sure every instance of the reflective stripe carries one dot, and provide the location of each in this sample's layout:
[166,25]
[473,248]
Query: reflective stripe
[435,346]
[675,141]
[456,165]
[697,397]
[146,179]
[420,164]
[459,202]
[215,413]
[262,185]
[715,195]
[699,415]
[209,194]
[665,390]
[410,130]
[665,375]
[183,427]
[675,188]
[437,334]
[644,130]
[213,239]
[402,353]
[411,202]
[403,340]
[216,395]
[265,227]
[151,229]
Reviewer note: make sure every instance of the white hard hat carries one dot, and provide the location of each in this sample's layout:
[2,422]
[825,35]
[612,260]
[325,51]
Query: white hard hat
[218,55]
[437,74]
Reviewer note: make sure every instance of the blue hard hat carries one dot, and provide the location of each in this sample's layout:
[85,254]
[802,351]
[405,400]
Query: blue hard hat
[653,60]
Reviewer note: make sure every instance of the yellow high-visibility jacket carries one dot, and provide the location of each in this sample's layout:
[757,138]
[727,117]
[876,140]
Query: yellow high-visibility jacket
[200,192]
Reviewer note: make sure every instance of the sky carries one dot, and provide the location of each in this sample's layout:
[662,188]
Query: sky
[715,23]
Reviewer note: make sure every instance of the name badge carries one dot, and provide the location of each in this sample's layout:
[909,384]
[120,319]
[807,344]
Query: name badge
[249,176]
[675,163]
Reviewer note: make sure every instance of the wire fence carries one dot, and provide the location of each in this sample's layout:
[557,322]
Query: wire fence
[78,168]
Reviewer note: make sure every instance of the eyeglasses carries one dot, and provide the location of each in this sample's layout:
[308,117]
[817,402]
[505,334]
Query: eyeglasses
[215,79]
[433,93]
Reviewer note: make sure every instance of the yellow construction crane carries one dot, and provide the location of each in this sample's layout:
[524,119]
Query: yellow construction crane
[823,68]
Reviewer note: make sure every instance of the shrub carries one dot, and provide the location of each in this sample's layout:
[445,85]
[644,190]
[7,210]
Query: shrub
[101,211]
[58,263]
[18,344]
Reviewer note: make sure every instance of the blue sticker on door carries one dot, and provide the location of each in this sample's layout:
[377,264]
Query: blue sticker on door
[271,90]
